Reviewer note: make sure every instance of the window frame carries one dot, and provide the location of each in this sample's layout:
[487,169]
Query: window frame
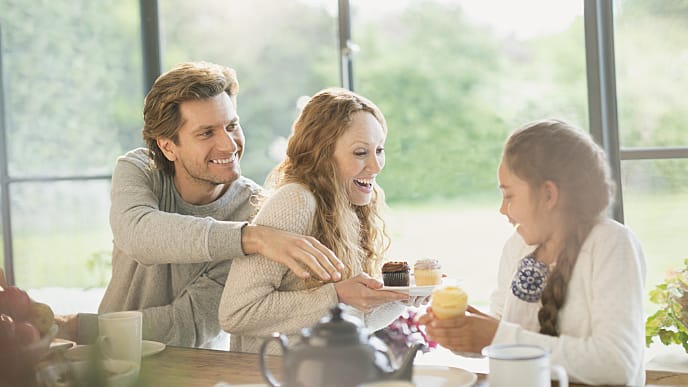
[601,83]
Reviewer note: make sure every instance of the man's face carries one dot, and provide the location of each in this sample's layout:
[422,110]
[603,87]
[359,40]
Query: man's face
[210,145]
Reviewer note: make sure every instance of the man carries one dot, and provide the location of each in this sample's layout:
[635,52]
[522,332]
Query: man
[180,212]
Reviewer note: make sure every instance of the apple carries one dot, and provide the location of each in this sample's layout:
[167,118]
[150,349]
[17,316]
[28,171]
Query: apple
[15,302]
[41,316]
[7,331]
[26,333]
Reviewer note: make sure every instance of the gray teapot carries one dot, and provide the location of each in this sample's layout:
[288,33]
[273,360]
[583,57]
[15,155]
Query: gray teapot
[335,353]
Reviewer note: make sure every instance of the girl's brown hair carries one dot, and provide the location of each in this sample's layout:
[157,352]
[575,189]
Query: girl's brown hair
[356,234]
[552,150]
[185,82]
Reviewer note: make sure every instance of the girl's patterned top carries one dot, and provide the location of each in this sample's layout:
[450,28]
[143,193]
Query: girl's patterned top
[530,279]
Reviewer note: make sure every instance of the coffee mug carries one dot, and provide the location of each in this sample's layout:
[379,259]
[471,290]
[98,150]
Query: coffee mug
[120,335]
[520,365]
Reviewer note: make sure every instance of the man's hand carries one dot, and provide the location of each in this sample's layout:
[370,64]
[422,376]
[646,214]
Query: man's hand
[293,250]
[362,293]
[68,326]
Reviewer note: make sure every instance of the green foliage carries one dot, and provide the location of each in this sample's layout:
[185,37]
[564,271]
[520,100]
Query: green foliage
[72,84]
[670,322]
[443,131]
[450,89]
[451,92]
[99,267]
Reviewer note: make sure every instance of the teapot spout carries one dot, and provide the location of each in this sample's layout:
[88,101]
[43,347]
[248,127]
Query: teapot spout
[405,370]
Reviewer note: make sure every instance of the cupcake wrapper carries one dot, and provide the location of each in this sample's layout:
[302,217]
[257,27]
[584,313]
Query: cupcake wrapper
[399,278]
[428,277]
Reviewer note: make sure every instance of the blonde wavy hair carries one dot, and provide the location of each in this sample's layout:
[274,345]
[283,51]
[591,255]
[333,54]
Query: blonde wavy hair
[552,150]
[356,234]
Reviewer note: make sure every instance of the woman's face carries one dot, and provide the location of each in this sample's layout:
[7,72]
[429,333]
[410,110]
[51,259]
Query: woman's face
[359,156]
[521,207]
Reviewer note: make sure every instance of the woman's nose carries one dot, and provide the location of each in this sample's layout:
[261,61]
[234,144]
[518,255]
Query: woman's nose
[376,164]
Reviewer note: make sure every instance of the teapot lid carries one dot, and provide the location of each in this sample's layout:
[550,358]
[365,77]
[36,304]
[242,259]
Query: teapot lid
[336,329]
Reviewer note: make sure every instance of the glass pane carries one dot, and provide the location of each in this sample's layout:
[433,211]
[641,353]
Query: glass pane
[2,230]
[453,79]
[281,51]
[651,38]
[656,208]
[62,238]
[73,84]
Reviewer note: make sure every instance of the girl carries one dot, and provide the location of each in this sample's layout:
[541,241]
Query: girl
[570,279]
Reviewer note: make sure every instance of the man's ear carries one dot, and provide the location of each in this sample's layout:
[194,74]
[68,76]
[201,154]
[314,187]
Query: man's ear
[168,148]
[550,192]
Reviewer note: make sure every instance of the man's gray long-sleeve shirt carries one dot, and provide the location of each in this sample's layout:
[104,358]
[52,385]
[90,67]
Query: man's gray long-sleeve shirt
[170,259]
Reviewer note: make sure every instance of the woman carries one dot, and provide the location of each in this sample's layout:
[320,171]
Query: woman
[570,279]
[325,188]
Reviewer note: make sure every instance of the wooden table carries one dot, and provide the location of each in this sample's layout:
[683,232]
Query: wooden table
[187,367]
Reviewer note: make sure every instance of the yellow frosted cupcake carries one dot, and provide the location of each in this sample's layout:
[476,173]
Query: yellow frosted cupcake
[427,272]
[449,301]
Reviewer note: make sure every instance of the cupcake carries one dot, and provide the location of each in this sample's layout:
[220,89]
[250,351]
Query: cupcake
[427,272]
[449,301]
[396,273]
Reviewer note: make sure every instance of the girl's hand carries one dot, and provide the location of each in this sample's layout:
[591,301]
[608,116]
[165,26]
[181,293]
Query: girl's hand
[467,333]
[362,293]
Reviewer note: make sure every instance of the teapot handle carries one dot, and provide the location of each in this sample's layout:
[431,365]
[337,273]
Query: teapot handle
[282,340]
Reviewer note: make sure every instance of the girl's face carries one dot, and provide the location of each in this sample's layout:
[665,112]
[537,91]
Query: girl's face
[523,208]
[359,156]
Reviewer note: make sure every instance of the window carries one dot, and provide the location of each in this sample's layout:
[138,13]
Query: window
[72,91]
[651,41]
[453,79]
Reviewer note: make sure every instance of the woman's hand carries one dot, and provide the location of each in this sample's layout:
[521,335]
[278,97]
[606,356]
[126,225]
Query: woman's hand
[467,333]
[293,250]
[416,301]
[362,293]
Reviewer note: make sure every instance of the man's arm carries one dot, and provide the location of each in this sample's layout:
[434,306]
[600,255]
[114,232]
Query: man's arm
[190,320]
[144,230]
[153,236]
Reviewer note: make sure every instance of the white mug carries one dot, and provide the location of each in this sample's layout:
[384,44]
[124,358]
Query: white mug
[520,365]
[120,335]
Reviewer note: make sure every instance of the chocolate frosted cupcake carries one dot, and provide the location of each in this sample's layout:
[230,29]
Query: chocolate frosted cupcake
[396,273]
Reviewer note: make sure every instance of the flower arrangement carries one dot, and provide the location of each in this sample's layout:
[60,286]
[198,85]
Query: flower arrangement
[402,333]
[670,322]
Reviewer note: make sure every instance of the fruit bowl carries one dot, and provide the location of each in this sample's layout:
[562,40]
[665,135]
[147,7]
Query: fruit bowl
[34,352]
